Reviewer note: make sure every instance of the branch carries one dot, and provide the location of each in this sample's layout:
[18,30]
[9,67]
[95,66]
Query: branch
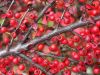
[49,55]
[30,60]
[40,16]
[2,4]
[33,42]
[55,56]
[19,47]
[33,63]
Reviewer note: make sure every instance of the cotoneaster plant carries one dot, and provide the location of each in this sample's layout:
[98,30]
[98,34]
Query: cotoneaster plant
[50,37]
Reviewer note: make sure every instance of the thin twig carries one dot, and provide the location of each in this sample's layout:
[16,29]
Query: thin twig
[11,42]
[7,11]
[54,56]
[35,64]
[2,4]
[22,19]
[77,34]
[49,55]
[40,15]
[61,18]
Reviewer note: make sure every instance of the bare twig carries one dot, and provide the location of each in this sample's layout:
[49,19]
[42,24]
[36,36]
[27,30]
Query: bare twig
[10,44]
[2,4]
[35,64]
[40,15]
[49,55]
[77,34]
[54,56]
[61,17]
[7,11]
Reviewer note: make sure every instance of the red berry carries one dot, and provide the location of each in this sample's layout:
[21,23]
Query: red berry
[98,23]
[25,21]
[61,65]
[41,29]
[35,59]
[96,70]
[67,62]
[70,42]
[23,27]
[13,23]
[71,19]
[17,15]
[10,73]
[6,40]
[21,67]
[15,61]
[66,20]
[9,14]
[95,29]
[76,38]
[75,56]
[88,46]
[93,12]
[53,47]
[32,16]
[14,34]
[40,47]
[45,62]
[82,1]
[75,69]
[39,60]
[96,3]
[54,64]
[60,38]
[54,70]
[52,18]
[37,72]
[11,58]
[67,72]
[67,14]
[64,41]
[3,70]
[26,1]
[3,29]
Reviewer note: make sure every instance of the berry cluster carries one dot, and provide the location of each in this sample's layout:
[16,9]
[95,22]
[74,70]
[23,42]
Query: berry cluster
[48,37]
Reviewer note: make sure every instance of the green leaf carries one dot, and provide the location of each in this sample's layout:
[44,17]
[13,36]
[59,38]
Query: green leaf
[89,71]
[40,21]
[50,23]
[1,20]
